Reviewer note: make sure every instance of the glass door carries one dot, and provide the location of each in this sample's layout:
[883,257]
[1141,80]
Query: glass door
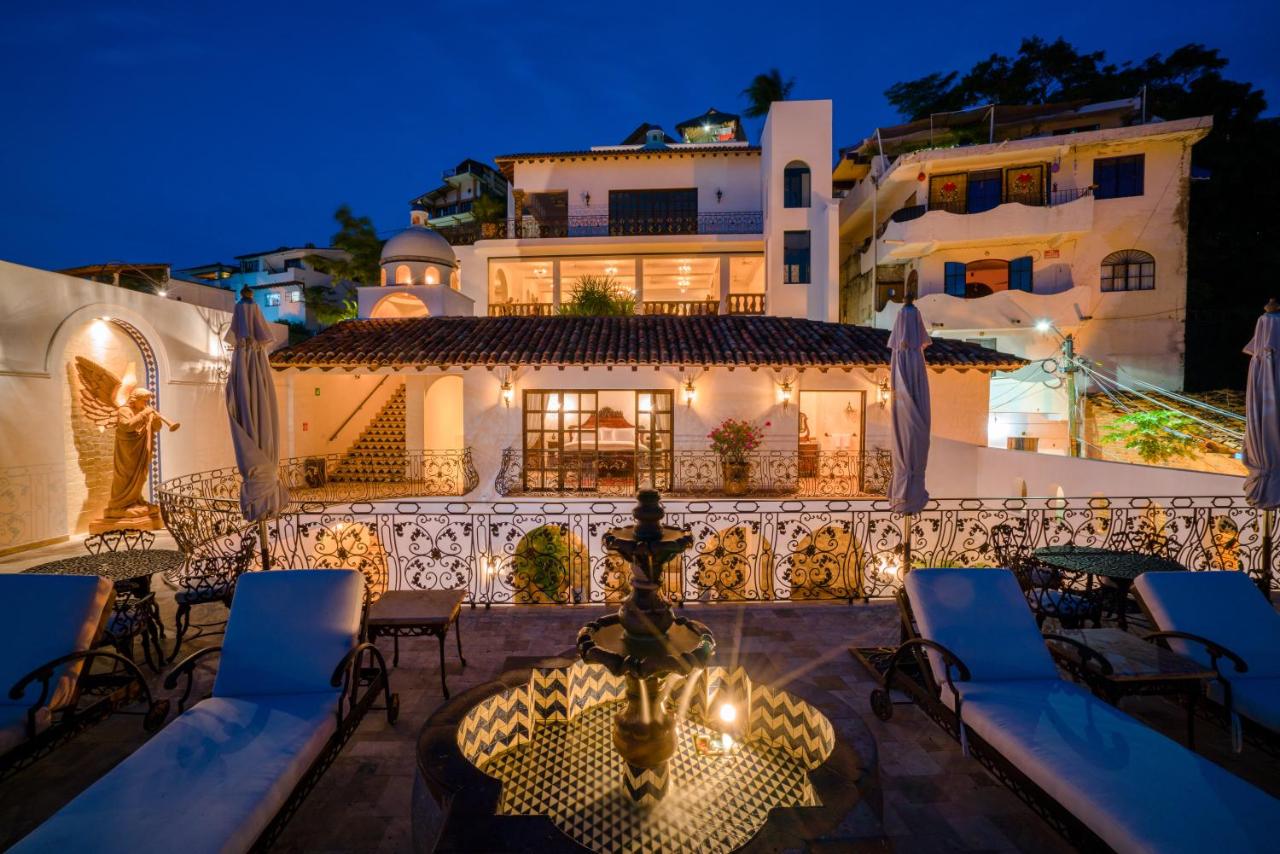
[560,440]
[655,438]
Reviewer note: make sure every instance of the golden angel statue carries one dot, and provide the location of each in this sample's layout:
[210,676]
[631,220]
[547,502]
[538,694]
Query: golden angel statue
[111,401]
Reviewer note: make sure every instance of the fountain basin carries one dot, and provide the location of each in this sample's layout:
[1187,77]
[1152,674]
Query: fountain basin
[527,763]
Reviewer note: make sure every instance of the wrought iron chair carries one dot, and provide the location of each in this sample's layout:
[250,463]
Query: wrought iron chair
[1048,591]
[206,581]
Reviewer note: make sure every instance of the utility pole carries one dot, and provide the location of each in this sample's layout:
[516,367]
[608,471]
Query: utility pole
[1073,405]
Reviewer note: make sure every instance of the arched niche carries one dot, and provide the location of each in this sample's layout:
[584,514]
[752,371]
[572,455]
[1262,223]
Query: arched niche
[399,305]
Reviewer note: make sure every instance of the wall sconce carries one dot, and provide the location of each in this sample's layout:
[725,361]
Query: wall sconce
[586,199]
[785,394]
[883,393]
[688,392]
[719,195]
[508,393]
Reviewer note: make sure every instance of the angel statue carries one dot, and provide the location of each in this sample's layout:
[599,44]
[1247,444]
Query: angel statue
[111,401]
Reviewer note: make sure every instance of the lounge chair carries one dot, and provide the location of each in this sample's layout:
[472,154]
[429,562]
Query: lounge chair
[228,773]
[1098,776]
[46,670]
[1212,616]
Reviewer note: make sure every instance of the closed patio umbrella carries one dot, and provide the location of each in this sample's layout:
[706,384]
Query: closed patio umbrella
[1262,427]
[255,418]
[909,418]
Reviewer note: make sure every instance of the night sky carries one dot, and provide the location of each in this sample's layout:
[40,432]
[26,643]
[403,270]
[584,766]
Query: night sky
[193,132]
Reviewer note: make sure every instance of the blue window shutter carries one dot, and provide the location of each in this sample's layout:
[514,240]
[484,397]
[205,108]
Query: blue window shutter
[1020,274]
[953,278]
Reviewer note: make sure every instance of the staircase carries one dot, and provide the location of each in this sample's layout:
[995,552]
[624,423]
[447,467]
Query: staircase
[378,455]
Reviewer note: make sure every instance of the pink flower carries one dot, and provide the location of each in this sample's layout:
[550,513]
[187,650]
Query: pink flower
[768,423]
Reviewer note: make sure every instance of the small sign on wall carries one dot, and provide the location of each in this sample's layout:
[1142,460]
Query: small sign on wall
[1048,253]
[318,387]
[305,426]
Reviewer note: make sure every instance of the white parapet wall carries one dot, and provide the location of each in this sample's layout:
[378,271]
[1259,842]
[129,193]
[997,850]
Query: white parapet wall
[55,466]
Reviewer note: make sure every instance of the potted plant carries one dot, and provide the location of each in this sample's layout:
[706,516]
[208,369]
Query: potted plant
[732,441]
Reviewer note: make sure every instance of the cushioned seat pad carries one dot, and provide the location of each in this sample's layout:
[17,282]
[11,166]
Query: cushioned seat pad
[1135,788]
[210,781]
[1256,699]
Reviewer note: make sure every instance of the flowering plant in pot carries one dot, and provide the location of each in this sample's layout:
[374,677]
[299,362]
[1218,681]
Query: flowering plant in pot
[732,441]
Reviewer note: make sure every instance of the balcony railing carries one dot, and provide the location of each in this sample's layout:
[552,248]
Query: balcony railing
[680,308]
[800,474]
[961,206]
[746,303]
[759,550]
[602,225]
[737,304]
[522,309]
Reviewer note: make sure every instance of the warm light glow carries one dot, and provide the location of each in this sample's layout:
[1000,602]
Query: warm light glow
[784,393]
[553,403]
[539,271]
[106,318]
[883,393]
[1043,326]
[646,403]
[611,270]
[430,277]
[728,712]
[726,741]
[508,393]
[887,567]
[162,293]
[689,392]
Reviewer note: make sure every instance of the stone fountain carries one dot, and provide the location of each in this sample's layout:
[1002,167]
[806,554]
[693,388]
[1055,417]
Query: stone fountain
[568,754]
[644,642]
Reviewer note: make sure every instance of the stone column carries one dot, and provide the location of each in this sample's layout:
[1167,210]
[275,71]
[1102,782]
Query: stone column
[639,286]
[725,283]
[415,399]
[555,284]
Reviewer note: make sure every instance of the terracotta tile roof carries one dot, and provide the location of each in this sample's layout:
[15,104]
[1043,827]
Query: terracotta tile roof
[712,340]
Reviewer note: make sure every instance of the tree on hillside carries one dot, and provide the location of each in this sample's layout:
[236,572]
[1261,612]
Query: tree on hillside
[358,237]
[1234,236]
[764,90]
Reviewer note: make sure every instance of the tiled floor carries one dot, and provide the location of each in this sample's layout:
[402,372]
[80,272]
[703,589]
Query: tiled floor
[935,799]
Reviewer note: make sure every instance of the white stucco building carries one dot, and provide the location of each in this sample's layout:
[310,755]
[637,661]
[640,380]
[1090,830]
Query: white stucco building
[1072,221]
[730,253]
[279,279]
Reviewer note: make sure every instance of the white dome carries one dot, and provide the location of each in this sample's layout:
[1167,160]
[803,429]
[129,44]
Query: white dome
[416,243]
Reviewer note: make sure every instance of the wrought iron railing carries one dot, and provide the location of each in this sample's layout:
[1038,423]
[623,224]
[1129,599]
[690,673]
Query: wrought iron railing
[602,225]
[801,474]
[532,551]
[216,494]
[961,206]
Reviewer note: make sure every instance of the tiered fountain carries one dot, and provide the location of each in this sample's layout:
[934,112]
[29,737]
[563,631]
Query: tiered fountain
[570,753]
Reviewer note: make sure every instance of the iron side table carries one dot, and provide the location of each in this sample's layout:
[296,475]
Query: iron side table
[415,613]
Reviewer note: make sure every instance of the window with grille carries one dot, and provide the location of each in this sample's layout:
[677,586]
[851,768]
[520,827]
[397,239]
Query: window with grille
[795,257]
[1117,177]
[1128,270]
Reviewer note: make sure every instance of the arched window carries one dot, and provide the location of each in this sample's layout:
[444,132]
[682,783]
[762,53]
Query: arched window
[431,277]
[382,280]
[455,281]
[1129,270]
[403,276]
[987,276]
[795,185]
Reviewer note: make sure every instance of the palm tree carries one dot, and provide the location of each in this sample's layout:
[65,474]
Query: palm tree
[764,90]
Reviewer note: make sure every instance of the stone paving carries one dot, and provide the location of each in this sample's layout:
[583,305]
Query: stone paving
[934,798]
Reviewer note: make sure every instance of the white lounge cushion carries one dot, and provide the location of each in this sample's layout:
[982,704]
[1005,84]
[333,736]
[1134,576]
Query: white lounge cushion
[1224,607]
[288,630]
[209,782]
[983,617]
[49,616]
[1135,788]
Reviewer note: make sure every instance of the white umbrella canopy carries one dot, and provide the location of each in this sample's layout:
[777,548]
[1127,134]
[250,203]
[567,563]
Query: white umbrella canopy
[254,415]
[1262,427]
[1262,413]
[910,417]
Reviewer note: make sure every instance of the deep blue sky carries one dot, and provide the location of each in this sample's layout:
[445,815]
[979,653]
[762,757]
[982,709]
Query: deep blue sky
[191,132]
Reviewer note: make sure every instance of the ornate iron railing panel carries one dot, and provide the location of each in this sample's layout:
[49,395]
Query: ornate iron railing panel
[601,225]
[537,551]
[800,474]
